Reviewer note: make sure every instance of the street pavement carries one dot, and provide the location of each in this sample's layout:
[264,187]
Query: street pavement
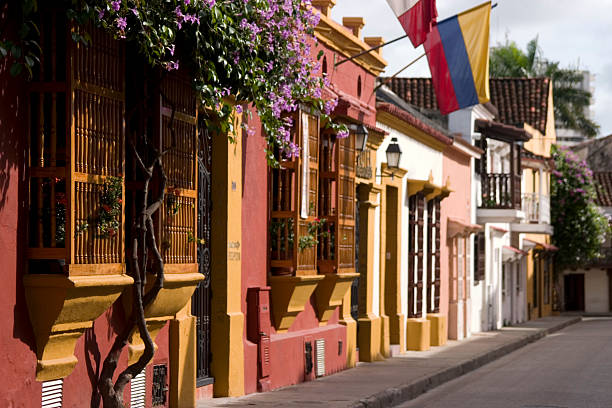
[569,369]
[397,380]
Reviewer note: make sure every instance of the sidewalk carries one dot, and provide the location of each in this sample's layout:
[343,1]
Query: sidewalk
[399,379]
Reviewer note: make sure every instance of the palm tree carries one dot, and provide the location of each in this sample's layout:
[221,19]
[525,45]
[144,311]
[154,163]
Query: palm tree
[570,101]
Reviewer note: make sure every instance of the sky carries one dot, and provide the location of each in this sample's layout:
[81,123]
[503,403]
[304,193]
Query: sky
[573,33]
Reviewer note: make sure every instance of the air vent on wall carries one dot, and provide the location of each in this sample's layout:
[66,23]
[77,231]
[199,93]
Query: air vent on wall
[52,393]
[320,350]
[137,394]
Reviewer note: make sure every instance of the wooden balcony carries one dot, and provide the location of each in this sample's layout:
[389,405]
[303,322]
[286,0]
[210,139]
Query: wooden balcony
[501,191]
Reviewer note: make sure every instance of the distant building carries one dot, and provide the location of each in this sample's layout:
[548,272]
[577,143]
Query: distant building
[571,137]
[589,289]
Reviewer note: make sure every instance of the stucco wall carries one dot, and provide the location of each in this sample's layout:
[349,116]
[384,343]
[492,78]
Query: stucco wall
[456,169]
[596,291]
[17,345]
[417,158]
[420,161]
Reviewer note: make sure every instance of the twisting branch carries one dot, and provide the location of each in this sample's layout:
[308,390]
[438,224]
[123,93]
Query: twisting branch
[149,170]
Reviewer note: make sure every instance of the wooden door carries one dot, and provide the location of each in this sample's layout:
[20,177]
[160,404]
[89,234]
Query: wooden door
[574,292]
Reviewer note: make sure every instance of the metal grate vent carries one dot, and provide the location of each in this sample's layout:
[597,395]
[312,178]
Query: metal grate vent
[137,394]
[160,386]
[320,350]
[52,393]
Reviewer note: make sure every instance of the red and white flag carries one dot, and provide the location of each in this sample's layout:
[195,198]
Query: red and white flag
[416,17]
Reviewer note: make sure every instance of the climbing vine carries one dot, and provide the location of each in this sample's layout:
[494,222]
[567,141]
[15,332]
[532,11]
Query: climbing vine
[580,227]
[238,51]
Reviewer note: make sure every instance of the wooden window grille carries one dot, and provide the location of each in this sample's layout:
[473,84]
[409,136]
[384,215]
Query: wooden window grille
[76,145]
[547,269]
[536,276]
[479,257]
[433,247]
[416,207]
[293,201]
[336,251]
[178,135]
[420,205]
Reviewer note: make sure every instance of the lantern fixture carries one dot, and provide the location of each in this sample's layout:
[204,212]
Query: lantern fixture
[394,154]
[361,136]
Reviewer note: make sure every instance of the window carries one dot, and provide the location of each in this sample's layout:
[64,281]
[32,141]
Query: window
[479,257]
[535,277]
[293,202]
[336,251]
[416,220]
[312,204]
[76,150]
[433,248]
[547,270]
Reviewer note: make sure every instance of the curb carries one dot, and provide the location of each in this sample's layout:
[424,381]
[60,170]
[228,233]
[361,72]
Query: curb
[396,395]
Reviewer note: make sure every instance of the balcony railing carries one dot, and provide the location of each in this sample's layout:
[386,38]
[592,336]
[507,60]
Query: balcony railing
[605,259]
[501,191]
[537,208]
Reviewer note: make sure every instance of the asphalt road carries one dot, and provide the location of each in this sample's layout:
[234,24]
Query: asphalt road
[568,369]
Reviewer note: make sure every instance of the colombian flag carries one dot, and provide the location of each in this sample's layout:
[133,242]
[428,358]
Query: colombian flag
[458,54]
[416,17]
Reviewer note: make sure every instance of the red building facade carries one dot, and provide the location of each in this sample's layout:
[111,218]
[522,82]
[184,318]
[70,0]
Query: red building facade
[308,328]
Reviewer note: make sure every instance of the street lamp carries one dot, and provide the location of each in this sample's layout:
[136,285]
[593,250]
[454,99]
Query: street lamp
[394,153]
[361,136]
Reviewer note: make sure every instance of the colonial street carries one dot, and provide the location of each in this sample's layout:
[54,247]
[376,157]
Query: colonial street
[571,368]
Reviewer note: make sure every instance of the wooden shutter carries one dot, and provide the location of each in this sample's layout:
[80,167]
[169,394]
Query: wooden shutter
[433,245]
[437,259]
[420,204]
[291,207]
[412,253]
[308,126]
[337,203]
[479,257]
[178,135]
[77,145]
[430,256]
[346,204]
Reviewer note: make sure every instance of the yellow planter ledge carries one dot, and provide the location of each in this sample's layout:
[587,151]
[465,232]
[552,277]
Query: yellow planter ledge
[177,291]
[418,334]
[289,297]
[61,308]
[330,292]
[439,329]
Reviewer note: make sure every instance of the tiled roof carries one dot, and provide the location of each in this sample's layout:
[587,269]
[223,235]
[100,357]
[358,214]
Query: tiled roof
[521,100]
[597,153]
[604,188]
[518,100]
[414,121]
[416,91]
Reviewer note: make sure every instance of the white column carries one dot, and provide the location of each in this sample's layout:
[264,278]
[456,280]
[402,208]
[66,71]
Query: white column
[541,189]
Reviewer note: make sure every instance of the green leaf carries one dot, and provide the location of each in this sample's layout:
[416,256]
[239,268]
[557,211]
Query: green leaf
[16,69]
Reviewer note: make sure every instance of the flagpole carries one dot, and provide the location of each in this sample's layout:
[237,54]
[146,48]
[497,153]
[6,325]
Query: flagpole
[391,42]
[386,81]
[370,50]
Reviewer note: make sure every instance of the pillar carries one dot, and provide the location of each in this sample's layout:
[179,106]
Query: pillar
[182,359]
[227,319]
[369,323]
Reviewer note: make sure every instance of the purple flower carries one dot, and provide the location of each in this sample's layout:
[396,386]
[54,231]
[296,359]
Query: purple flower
[116,5]
[101,14]
[121,23]
[239,109]
[172,65]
